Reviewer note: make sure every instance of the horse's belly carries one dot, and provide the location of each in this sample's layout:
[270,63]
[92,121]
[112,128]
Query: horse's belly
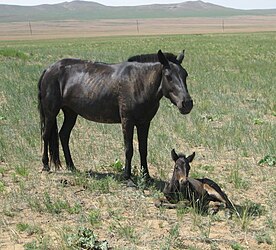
[97,112]
[101,118]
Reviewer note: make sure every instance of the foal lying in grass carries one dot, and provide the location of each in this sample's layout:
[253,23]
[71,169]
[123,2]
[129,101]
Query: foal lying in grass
[199,192]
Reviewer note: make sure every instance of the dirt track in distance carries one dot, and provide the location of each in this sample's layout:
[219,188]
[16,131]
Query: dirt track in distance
[120,27]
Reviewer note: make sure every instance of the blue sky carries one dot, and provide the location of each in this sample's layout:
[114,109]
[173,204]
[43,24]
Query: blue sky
[239,4]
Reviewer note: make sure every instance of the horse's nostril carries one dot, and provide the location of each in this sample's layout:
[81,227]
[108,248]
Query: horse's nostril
[188,104]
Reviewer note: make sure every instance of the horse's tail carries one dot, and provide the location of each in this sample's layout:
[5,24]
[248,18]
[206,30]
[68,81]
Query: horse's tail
[53,137]
[40,109]
[54,145]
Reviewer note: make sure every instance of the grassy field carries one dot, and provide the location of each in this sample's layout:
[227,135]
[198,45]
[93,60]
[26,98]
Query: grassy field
[232,129]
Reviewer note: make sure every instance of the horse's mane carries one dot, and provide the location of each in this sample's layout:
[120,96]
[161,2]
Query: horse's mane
[180,155]
[152,58]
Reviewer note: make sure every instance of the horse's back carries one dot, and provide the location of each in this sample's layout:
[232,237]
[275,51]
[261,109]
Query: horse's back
[85,87]
[69,61]
[103,92]
[54,70]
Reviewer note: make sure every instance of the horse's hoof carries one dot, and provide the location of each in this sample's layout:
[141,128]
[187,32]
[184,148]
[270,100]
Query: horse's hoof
[57,168]
[72,169]
[46,168]
[148,179]
[126,176]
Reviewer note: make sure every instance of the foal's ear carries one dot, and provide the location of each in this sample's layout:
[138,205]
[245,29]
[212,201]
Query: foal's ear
[163,60]
[191,157]
[181,56]
[174,155]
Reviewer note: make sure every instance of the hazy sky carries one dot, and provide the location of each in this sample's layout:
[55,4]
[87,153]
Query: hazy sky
[239,4]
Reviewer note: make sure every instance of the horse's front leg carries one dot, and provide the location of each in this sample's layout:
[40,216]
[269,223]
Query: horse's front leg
[143,131]
[70,118]
[128,128]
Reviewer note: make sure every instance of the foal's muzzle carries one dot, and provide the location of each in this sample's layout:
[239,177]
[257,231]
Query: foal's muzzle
[183,181]
[186,107]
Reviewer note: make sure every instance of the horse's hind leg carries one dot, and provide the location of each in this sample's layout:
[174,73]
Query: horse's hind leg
[45,158]
[214,207]
[70,118]
[46,134]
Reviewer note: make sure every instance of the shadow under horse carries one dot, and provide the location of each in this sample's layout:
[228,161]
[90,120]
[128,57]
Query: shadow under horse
[128,93]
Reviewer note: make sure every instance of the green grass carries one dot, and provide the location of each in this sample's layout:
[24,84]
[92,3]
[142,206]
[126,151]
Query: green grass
[231,128]
[27,228]
[85,239]
[12,53]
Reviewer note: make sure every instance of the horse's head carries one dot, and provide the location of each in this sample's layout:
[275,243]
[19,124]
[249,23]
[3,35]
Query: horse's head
[181,168]
[174,84]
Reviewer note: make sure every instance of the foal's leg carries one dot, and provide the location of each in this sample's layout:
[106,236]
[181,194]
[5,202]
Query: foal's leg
[142,132]
[70,118]
[128,128]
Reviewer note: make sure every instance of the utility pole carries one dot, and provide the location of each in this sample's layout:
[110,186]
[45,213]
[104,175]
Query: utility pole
[30,27]
[137,26]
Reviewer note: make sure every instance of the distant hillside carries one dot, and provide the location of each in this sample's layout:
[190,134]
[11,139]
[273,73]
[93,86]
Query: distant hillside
[83,10]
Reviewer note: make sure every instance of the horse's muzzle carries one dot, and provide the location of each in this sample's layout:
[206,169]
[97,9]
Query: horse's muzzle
[186,107]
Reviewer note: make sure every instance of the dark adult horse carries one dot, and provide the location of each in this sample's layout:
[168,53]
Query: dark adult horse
[126,93]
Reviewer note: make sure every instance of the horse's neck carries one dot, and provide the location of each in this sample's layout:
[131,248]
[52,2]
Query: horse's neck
[153,81]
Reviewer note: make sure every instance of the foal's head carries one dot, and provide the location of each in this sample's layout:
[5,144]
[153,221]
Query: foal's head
[181,168]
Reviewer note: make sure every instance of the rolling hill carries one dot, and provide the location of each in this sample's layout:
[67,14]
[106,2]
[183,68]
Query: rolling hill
[83,10]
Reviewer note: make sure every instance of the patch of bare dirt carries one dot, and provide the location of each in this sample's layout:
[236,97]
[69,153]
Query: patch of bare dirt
[127,216]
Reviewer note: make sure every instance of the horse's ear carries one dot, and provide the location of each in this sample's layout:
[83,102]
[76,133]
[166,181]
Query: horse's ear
[174,155]
[163,60]
[191,157]
[181,56]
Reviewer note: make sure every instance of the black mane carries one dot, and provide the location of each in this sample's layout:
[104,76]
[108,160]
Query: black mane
[153,58]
